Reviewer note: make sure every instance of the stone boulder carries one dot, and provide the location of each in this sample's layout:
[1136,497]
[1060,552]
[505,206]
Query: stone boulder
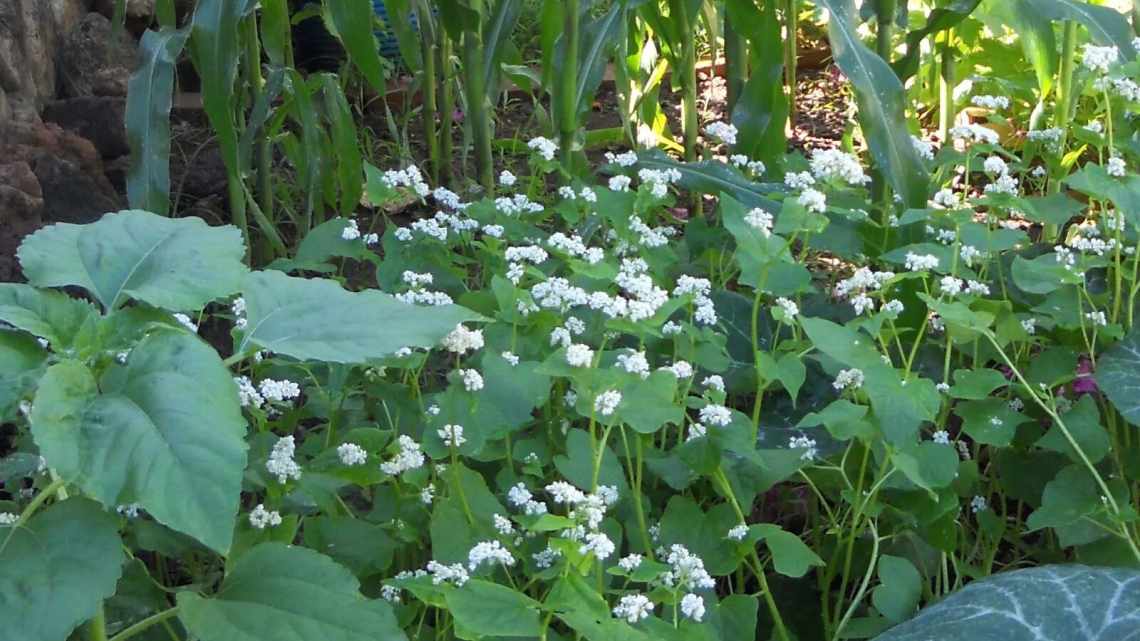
[21,213]
[30,33]
[95,59]
[100,119]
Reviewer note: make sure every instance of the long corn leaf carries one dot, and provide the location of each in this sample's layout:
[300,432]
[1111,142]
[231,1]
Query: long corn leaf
[351,21]
[882,106]
[149,96]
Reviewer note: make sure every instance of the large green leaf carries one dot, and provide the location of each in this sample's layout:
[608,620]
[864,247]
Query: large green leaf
[1107,26]
[711,177]
[900,408]
[342,130]
[497,38]
[882,105]
[164,431]
[215,48]
[50,315]
[278,591]
[351,21]
[761,112]
[21,363]
[317,319]
[899,590]
[149,96]
[56,570]
[176,264]
[1035,33]
[485,609]
[939,19]
[1061,602]
[599,36]
[1118,376]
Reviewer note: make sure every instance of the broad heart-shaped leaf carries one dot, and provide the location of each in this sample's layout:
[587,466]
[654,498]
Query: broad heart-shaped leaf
[1067,505]
[22,360]
[790,556]
[1056,602]
[165,431]
[1118,376]
[882,105]
[485,609]
[53,316]
[900,408]
[278,591]
[56,569]
[1107,27]
[1043,274]
[150,93]
[900,587]
[174,263]
[316,319]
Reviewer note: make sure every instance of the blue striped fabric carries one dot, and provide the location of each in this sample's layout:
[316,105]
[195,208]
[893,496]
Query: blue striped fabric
[389,47]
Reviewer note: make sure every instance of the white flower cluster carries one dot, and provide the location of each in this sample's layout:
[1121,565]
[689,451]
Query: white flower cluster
[633,608]
[624,159]
[9,518]
[351,454]
[945,198]
[833,164]
[807,444]
[761,220]
[447,198]
[454,574]
[754,167]
[409,177]
[489,552]
[1099,59]
[451,435]
[723,131]
[972,133]
[517,205]
[279,391]
[545,147]
[262,518]
[521,498]
[650,236]
[1116,167]
[921,262]
[281,463]
[634,363]
[607,402]
[717,415]
[462,340]
[687,570]
[848,379]
[693,607]
[574,246]
[990,102]
[856,287]
[472,379]
[409,457]
[924,148]
[658,180]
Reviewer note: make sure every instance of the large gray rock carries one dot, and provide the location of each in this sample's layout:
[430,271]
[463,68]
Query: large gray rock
[99,119]
[30,33]
[95,59]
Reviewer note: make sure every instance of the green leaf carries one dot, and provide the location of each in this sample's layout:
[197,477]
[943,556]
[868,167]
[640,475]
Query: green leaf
[150,93]
[790,556]
[176,264]
[647,405]
[1067,500]
[882,106]
[711,177]
[939,19]
[351,21]
[290,316]
[1055,209]
[901,409]
[1043,274]
[50,315]
[345,140]
[976,384]
[1118,376]
[56,570]
[1107,26]
[1084,425]
[362,547]
[704,533]
[989,421]
[21,363]
[214,47]
[899,590]
[761,111]
[598,38]
[1035,33]
[485,609]
[1050,602]
[286,592]
[165,431]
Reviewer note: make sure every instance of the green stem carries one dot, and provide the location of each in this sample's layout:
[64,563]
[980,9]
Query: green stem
[568,85]
[428,85]
[478,116]
[791,54]
[688,74]
[263,151]
[97,626]
[862,586]
[447,108]
[146,623]
[946,87]
[735,63]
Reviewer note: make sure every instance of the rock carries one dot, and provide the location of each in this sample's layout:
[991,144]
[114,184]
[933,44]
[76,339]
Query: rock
[99,119]
[116,172]
[68,168]
[21,213]
[136,9]
[73,195]
[30,32]
[94,60]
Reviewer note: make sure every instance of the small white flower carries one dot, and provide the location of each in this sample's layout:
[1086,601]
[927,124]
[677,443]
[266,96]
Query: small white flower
[351,454]
[979,504]
[182,319]
[807,444]
[941,437]
[427,495]
[848,379]
[262,518]
[279,391]
[761,220]
[633,608]
[1100,59]
[451,435]
[620,183]
[714,381]
[995,166]
[1098,318]
[737,532]
[281,463]
[350,231]
[599,544]
[1116,167]
[991,102]
[511,358]
[578,355]
[472,380]
[502,525]
[462,340]
[607,402]
[921,262]
[789,307]
[813,200]
[693,607]
[489,551]
[9,518]
[718,415]
[630,562]
[507,179]
[723,131]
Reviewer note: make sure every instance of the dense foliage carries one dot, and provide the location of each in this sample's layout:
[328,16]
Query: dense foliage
[750,395]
